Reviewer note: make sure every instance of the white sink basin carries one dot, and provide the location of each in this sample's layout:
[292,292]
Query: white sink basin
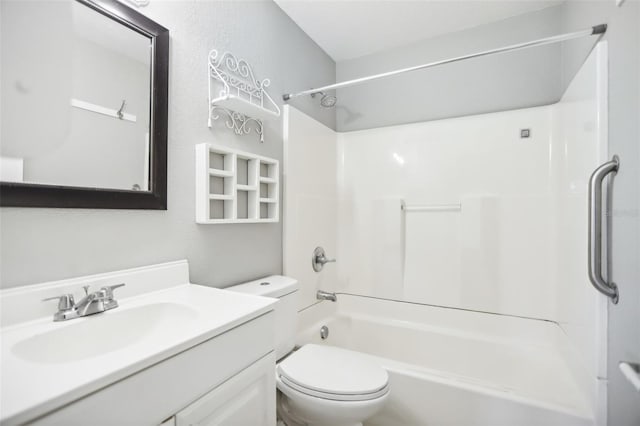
[100,334]
[47,365]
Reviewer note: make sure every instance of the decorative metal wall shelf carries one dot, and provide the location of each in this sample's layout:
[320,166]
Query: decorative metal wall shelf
[236,96]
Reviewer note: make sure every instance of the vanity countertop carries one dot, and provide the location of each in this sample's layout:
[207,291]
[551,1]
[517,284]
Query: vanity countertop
[47,364]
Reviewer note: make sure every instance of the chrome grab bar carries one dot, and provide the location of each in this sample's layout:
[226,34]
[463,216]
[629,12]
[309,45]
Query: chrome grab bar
[595,229]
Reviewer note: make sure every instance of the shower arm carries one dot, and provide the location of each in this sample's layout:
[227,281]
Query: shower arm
[595,30]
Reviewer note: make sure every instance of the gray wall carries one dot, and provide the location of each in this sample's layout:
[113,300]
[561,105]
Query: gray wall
[623,36]
[507,81]
[47,244]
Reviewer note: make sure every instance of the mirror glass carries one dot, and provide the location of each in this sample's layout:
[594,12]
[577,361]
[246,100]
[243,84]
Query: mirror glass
[75,97]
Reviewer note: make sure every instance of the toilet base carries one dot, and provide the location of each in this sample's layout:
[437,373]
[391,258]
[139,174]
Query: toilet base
[287,416]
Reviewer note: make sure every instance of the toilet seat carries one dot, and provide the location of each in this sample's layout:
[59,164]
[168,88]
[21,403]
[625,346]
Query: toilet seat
[333,373]
[334,396]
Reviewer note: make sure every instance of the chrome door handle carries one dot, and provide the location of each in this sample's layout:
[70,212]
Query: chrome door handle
[609,289]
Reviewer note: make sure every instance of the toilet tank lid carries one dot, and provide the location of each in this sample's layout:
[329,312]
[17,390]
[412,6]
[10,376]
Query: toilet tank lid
[271,286]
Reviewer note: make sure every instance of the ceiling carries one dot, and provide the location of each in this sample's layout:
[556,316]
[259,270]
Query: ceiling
[347,29]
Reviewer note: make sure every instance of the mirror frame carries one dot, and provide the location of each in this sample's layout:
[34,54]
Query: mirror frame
[14,194]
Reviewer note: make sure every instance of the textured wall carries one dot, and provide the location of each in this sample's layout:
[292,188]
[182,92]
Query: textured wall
[495,83]
[45,244]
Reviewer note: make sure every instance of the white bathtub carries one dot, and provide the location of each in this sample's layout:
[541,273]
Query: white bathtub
[454,367]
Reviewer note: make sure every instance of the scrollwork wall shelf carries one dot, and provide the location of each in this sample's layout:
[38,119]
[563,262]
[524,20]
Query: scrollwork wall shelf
[237,96]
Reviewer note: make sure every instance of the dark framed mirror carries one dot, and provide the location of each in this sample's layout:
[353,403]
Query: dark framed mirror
[83,120]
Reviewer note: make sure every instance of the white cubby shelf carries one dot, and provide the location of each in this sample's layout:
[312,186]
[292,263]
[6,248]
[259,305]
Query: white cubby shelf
[235,187]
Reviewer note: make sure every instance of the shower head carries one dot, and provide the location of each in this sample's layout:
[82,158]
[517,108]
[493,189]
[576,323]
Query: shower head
[326,101]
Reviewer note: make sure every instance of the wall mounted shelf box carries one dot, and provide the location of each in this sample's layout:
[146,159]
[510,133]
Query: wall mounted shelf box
[235,93]
[235,187]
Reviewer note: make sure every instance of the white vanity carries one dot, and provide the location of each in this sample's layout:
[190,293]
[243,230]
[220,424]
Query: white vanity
[172,353]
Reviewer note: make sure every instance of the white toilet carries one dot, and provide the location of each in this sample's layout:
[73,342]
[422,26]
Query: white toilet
[319,385]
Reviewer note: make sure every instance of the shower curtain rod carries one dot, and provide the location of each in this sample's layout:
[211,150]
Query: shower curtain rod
[595,30]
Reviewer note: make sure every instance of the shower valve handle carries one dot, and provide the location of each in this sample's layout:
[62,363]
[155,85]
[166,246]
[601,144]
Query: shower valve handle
[319,259]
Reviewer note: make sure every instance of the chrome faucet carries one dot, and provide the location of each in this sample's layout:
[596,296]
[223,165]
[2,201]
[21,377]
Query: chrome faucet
[325,295]
[92,303]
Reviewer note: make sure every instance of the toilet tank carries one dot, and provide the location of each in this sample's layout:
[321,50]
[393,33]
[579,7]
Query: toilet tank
[284,289]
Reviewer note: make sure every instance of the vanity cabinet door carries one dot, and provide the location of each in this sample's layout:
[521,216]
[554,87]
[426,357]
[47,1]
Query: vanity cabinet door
[248,398]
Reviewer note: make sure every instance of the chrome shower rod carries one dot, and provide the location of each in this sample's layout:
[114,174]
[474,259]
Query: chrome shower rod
[595,30]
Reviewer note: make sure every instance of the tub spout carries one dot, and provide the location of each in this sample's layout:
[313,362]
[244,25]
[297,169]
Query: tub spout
[325,295]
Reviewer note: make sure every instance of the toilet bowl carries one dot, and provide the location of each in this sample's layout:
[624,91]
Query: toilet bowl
[325,385]
[317,385]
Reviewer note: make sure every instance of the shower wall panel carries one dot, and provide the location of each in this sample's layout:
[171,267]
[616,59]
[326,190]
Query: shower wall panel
[310,201]
[462,207]
[579,145]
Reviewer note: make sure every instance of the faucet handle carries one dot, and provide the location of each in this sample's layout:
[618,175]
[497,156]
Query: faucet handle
[65,302]
[323,260]
[319,259]
[109,289]
[110,302]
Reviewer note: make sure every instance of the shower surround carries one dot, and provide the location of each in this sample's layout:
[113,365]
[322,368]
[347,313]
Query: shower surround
[484,213]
